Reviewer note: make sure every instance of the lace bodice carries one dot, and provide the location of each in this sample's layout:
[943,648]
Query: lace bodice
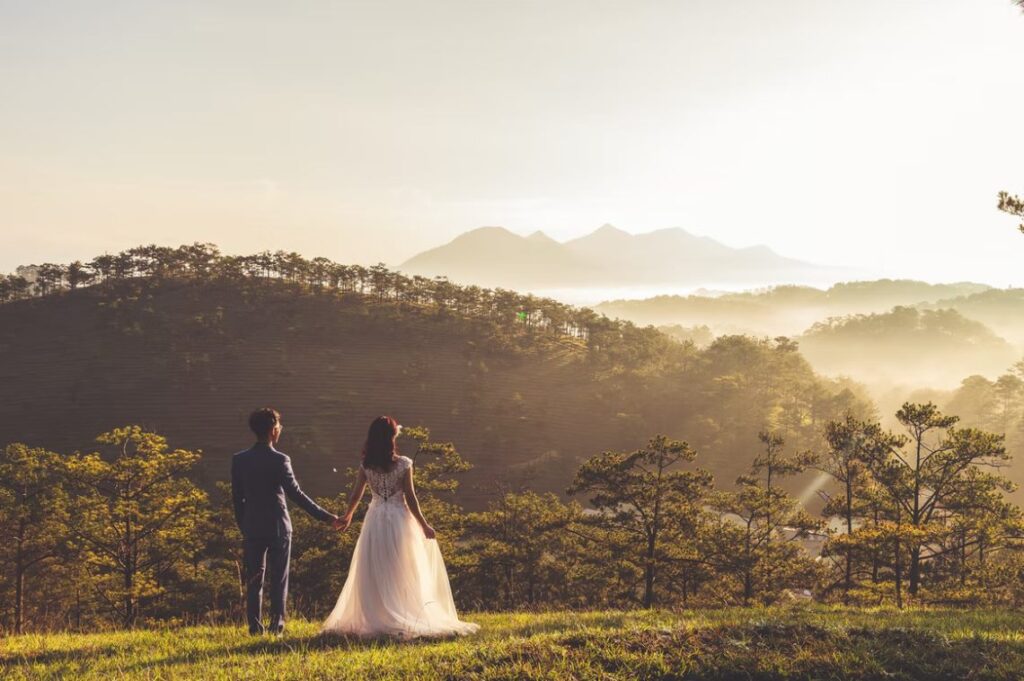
[387,486]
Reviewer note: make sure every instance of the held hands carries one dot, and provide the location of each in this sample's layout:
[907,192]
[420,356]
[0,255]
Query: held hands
[429,532]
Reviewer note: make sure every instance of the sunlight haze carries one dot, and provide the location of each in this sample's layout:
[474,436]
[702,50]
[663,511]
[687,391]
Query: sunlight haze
[870,135]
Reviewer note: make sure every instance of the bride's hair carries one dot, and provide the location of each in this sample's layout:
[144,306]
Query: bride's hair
[380,450]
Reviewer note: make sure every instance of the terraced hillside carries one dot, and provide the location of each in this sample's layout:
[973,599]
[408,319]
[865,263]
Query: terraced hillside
[189,360]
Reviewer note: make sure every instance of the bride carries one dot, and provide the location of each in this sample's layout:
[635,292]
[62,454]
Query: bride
[397,584]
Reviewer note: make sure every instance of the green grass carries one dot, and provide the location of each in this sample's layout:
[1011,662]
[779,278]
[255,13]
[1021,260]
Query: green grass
[793,643]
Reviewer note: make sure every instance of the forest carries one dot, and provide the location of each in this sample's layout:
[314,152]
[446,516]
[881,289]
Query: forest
[884,334]
[928,347]
[707,505]
[790,309]
[526,397]
[123,536]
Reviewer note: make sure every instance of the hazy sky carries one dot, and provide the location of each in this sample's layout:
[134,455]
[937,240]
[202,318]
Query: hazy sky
[871,134]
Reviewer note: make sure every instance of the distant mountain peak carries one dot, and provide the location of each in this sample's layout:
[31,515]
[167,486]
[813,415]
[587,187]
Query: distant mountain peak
[605,236]
[671,230]
[541,237]
[486,233]
[608,229]
[494,256]
[760,249]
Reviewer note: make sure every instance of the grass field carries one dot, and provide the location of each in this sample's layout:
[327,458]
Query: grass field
[793,643]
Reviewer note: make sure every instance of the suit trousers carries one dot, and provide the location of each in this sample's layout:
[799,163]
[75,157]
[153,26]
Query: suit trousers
[266,558]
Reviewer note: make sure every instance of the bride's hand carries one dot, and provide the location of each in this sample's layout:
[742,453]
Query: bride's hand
[429,532]
[341,524]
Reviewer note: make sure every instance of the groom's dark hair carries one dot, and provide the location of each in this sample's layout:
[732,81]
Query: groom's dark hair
[262,421]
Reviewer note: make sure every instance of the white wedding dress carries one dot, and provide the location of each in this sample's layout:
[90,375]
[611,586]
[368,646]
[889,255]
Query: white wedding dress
[397,584]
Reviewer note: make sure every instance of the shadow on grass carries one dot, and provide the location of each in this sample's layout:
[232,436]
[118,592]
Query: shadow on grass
[256,646]
[755,649]
[562,622]
[285,645]
[268,645]
[57,656]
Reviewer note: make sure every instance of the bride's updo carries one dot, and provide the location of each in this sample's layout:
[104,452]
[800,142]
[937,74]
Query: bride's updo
[380,450]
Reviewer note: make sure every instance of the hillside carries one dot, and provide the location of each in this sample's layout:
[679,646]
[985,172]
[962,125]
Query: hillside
[190,362]
[934,348]
[189,359]
[494,256]
[766,644]
[887,334]
[789,310]
[1002,310]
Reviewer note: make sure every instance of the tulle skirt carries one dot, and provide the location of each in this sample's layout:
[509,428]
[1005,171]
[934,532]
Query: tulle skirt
[397,584]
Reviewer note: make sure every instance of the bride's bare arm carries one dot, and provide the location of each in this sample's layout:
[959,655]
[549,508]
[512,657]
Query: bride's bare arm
[353,499]
[414,504]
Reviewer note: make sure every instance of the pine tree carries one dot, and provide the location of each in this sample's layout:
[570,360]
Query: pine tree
[852,443]
[645,495]
[34,515]
[762,523]
[137,516]
[934,464]
[1013,205]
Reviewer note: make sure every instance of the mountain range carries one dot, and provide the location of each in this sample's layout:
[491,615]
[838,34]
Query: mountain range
[494,256]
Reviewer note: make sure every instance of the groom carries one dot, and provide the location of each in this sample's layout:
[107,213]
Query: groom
[261,476]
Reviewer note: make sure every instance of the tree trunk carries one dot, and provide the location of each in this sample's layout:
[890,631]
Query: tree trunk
[19,597]
[748,581]
[963,558]
[649,573]
[19,581]
[509,587]
[648,585]
[848,581]
[899,575]
[129,602]
[915,521]
[874,555]
[915,570]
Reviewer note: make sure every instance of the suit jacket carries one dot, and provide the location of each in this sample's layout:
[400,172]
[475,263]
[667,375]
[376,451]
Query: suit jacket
[261,477]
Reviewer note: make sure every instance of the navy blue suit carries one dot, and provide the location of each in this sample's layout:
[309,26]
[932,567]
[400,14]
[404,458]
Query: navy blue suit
[261,478]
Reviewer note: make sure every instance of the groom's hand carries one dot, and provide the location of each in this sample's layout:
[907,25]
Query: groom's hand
[341,524]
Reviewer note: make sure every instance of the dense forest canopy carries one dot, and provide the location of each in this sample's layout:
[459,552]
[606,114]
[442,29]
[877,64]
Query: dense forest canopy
[527,386]
[122,535]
